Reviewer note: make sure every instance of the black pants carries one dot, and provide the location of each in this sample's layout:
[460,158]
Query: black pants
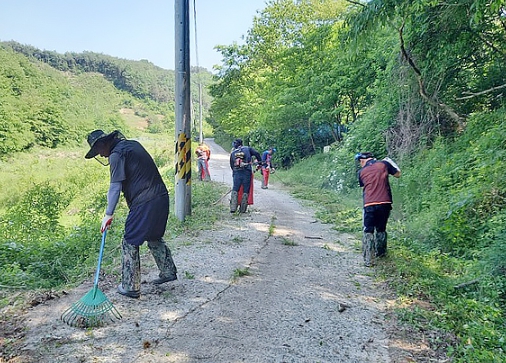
[376,217]
[241,178]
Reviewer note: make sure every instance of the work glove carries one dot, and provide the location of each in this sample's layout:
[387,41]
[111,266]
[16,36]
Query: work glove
[391,162]
[106,223]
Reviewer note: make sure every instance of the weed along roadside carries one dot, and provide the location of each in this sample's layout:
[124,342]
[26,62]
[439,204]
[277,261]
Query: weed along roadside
[271,285]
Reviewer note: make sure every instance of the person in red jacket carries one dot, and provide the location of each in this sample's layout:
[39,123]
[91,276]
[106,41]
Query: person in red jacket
[373,178]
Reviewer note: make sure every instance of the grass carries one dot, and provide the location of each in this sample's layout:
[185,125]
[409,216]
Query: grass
[272,226]
[51,205]
[288,241]
[240,272]
[465,324]
[189,275]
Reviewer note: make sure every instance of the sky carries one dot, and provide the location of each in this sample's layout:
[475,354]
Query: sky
[130,29]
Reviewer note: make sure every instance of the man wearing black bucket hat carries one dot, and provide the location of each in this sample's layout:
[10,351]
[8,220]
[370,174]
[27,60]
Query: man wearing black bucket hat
[373,178]
[133,172]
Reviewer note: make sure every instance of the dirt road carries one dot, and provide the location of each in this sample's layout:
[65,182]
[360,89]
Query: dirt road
[306,297]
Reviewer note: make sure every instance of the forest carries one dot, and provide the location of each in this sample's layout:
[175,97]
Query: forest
[420,81]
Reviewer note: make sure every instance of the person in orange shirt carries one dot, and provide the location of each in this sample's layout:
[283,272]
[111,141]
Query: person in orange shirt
[373,178]
[203,155]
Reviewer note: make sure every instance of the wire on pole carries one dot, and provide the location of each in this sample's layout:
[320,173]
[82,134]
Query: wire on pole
[201,137]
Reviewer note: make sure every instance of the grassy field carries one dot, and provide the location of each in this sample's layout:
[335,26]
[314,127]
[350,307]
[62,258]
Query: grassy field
[51,206]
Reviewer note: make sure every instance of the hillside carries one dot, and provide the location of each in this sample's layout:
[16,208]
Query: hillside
[419,81]
[51,99]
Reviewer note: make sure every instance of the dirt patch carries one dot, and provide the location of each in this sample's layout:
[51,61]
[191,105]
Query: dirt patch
[272,285]
[133,120]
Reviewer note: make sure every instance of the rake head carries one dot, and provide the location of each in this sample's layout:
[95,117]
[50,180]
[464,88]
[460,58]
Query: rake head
[92,310]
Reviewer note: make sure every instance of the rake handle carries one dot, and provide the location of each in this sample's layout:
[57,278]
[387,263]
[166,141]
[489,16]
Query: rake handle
[100,255]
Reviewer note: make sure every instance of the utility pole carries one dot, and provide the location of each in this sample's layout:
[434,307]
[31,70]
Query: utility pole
[201,133]
[183,116]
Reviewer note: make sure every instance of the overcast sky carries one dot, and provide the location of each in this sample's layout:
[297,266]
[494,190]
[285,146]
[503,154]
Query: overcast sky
[131,29]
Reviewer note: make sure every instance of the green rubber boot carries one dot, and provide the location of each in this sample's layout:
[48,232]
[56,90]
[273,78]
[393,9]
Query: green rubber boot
[233,202]
[244,203]
[368,249]
[381,244]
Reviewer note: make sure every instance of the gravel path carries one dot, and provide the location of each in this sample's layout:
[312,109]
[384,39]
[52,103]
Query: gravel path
[306,297]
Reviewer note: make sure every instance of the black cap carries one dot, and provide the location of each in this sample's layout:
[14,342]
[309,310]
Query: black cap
[237,143]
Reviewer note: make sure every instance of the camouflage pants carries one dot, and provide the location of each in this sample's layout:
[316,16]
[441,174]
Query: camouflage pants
[163,258]
[244,203]
[130,267]
[368,249]
[373,246]
[131,263]
[380,243]
[233,201]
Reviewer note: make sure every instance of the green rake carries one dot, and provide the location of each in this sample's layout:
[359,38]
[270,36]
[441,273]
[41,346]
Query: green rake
[93,309]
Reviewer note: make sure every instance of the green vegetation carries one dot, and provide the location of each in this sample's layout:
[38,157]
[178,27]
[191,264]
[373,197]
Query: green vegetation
[53,100]
[241,272]
[50,218]
[50,196]
[420,81]
[446,235]
[272,226]
[288,241]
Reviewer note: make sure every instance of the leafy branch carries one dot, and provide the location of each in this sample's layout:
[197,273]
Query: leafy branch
[422,90]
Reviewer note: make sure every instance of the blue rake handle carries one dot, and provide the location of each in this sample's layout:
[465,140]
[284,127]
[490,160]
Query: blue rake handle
[100,255]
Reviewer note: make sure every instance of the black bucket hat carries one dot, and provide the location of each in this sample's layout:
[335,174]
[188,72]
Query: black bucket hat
[98,135]
[93,137]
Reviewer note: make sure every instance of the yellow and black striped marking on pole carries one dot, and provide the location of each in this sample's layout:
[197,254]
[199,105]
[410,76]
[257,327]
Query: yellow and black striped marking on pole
[183,152]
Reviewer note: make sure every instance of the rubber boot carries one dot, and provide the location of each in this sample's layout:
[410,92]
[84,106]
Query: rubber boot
[207,172]
[163,259]
[244,203]
[130,271]
[381,244]
[368,249]
[233,202]
[265,178]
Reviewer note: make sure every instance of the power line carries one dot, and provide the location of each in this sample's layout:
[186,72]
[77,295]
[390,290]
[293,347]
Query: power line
[201,137]
[195,26]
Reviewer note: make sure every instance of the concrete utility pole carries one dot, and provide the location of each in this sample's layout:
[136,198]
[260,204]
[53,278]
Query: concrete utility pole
[201,133]
[183,116]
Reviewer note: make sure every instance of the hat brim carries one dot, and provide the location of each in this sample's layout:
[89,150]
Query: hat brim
[104,138]
[91,154]
[93,150]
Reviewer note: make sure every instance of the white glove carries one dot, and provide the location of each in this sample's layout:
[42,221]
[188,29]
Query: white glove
[106,223]
[391,162]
